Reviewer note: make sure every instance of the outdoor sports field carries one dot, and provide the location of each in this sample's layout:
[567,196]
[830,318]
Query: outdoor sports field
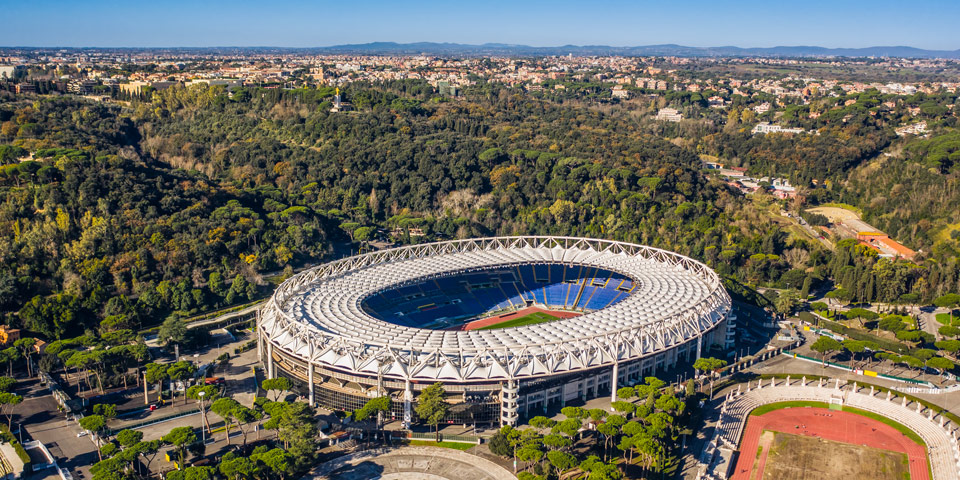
[803,443]
[525,316]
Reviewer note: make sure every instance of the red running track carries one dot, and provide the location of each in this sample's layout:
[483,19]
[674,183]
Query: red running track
[832,425]
[484,322]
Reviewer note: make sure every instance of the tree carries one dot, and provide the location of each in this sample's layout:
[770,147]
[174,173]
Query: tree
[203,394]
[9,355]
[432,406]
[861,314]
[128,438]
[148,450]
[225,408]
[623,407]
[562,461]
[172,331]
[297,429]
[949,301]
[238,468]
[155,373]
[626,393]
[94,424]
[193,473]
[9,402]
[855,347]
[243,415]
[708,364]
[608,430]
[180,438]
[7,384]
[376,407]
[824,346]
[181,371]
[940,364]
[25,345]
[500,442]
[542,423]
[891,324]
[949,331]
[279,461]
[951,346]
[277,385]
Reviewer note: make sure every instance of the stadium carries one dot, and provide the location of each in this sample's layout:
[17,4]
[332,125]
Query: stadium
[510,325]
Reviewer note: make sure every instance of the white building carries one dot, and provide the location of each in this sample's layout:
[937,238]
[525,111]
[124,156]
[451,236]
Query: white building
[8,71]
[669,114]
[766,127]
[915,129]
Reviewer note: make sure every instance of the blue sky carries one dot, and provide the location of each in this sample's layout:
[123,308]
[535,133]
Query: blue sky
[928,24]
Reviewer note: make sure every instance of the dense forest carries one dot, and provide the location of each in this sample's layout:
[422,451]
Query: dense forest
[114,217]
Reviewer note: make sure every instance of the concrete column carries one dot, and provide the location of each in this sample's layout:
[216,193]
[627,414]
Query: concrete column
[699,345]
[270,368]
[259,339]
[310,374]
[407,404]
[509,393]
[613,384]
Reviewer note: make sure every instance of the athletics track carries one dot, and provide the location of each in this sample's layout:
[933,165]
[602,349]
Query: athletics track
[832,425]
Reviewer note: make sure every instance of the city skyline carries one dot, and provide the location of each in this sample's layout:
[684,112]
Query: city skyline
[107,23]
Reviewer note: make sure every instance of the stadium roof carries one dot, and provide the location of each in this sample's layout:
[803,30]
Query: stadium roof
[317,315]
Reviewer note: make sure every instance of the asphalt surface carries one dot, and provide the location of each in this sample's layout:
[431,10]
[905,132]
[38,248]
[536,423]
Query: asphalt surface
[42,421]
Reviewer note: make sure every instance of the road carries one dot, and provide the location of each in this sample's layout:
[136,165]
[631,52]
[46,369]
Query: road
[38,413]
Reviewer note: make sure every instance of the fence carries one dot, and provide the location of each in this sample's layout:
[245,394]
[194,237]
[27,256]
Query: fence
[868,373]
[154,421]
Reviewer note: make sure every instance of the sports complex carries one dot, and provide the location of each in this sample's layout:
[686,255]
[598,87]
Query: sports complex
[510,325]
[799,428]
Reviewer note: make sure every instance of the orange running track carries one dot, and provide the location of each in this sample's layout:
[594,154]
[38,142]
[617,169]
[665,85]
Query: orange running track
[484,322]
[828,424]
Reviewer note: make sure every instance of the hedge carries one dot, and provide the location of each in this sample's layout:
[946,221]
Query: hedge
[21,452]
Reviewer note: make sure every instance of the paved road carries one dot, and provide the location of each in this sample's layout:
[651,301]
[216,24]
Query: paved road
[43,422]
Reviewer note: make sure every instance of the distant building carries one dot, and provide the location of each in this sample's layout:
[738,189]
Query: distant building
[81,87]
[766,127]
[133,88]
[669,115]
[163,85]
[915,129]
[230,83]
[8,335]
[8,71]
[762,108]
[446,89]
[620,92]
[26,88]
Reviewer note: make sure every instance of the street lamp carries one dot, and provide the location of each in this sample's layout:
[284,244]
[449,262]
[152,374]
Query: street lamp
[203,418]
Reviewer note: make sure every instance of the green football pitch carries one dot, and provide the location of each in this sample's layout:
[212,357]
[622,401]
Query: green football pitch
[532,319]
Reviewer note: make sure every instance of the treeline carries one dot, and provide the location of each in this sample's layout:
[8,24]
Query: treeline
[185,201]
[95,237]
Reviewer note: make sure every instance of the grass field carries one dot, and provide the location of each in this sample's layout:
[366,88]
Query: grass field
[945,318]
[796,457]
[532,319]
[794,404]
[453,445]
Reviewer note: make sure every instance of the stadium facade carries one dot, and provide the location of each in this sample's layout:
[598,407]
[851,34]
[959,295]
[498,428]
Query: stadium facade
[391,322]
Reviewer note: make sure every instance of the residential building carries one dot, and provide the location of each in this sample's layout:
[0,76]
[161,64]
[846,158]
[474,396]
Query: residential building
[669,115]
